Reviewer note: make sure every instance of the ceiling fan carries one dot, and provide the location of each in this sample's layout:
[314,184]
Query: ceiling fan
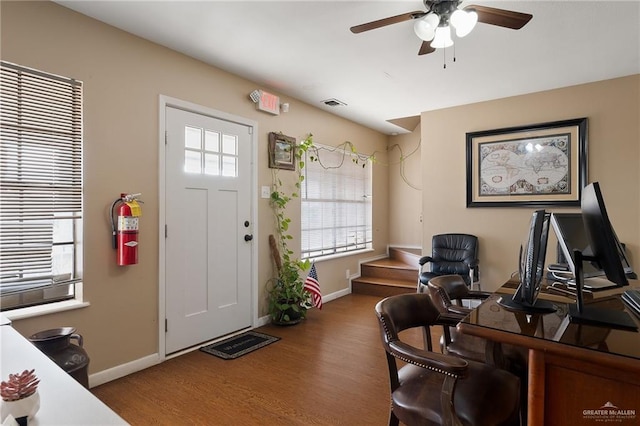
[433,26]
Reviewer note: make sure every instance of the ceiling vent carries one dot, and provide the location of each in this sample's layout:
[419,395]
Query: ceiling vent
[333,102]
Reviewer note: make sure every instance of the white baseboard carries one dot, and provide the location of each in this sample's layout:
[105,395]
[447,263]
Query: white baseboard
[119,371]
[336,295]
[263,321]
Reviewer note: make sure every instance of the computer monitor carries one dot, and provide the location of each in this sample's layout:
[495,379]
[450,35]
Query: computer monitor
[605,250]
[572,235]
[604,243]
[532,258]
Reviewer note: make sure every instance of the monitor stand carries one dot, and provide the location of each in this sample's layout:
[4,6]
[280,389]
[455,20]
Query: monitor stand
[512,303]
[591,315]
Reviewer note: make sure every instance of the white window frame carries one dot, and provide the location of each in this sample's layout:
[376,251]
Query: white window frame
[336,203]
[40,192]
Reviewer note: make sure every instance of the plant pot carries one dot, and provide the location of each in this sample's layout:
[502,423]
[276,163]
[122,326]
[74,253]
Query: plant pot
[294,317]
[25,407]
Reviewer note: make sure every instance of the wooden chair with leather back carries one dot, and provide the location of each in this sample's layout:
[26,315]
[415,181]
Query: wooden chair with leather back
[440,389]
[444,291]
[447,292]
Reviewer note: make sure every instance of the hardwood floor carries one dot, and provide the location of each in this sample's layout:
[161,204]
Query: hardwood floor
[328,370]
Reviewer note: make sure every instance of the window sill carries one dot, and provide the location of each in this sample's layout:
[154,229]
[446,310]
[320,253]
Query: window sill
[49,308]
[339,255]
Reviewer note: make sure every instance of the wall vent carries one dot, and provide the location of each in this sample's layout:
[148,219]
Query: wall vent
[333,102]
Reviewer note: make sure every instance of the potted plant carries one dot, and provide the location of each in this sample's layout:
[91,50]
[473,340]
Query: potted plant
[288,299]
[20,396]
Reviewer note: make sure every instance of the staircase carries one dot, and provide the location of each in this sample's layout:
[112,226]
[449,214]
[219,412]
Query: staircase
[395,274]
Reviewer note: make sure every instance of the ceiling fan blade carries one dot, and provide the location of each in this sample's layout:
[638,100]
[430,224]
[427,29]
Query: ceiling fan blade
[425,48]
[387,21]
[500,17]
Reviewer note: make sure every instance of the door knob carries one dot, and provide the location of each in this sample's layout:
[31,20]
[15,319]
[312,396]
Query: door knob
[248,237]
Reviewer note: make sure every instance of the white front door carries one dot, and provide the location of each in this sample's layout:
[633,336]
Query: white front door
[208,264]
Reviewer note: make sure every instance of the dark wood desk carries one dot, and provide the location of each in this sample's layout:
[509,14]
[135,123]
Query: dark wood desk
[578,374]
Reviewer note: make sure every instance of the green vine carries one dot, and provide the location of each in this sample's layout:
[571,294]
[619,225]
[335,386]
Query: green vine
[287,296]
[280,199]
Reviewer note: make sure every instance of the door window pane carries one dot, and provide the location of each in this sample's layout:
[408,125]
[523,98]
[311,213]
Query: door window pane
[229,167]
[212,141]
[211,164]
[230,144]
[192,138]
[192,162]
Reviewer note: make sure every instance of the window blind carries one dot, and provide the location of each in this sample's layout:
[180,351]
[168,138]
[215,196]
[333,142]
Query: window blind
[336,204]
[40,174]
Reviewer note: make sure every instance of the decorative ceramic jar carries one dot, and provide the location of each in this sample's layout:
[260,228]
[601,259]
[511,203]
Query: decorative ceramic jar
[56,344]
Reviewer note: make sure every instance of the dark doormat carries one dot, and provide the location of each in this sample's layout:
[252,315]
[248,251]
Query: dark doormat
[239,345]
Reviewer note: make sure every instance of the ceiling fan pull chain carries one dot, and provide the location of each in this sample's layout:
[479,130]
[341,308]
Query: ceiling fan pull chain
[444,58]
[454,53]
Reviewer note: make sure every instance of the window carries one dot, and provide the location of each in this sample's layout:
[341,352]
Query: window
[336,204]
[40,186]
[211,153]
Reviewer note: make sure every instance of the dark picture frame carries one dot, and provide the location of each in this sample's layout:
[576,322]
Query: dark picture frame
[539,165]
[282,151]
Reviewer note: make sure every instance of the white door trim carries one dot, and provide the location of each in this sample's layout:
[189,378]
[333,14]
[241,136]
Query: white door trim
[164,102]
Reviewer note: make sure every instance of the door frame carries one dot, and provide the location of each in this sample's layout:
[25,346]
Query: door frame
[167,101]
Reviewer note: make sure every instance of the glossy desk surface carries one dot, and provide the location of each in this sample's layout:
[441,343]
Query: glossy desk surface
[555,333]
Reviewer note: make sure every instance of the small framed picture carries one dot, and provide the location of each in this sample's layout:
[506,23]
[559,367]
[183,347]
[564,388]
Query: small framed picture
[282,151]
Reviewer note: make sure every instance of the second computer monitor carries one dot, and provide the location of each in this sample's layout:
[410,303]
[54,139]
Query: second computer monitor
[570,230]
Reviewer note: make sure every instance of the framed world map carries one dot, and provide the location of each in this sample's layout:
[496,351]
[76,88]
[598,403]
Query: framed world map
[535,166]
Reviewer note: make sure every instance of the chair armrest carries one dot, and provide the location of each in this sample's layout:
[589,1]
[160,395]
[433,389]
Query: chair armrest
[474,263]
[429,360]
[478,294]
[424,260]
[450,318]
[460,311]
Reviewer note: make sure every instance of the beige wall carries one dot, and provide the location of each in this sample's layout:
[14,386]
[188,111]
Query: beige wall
[123,77]
[405,194]
[613,110]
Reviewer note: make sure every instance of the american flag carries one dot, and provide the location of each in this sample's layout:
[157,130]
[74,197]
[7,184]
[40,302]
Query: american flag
[312,285]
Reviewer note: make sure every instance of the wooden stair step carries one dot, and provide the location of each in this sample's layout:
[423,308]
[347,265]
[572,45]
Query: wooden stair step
[392,263]
[391,271]
[382,287]
[410,256]
[396,274]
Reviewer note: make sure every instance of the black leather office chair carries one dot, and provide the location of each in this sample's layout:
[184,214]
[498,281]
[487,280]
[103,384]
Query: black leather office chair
[437,389]
[451,254]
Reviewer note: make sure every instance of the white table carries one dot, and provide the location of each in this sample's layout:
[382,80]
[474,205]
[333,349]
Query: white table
[63,401]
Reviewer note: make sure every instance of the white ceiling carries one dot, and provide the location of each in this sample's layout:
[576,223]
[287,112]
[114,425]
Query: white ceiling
[304,50]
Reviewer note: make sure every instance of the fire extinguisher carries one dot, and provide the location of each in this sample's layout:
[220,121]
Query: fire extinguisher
[125,233]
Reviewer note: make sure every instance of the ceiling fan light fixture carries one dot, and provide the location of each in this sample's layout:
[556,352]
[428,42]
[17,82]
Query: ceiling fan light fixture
[442,38]
[425,28]
[464,21]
